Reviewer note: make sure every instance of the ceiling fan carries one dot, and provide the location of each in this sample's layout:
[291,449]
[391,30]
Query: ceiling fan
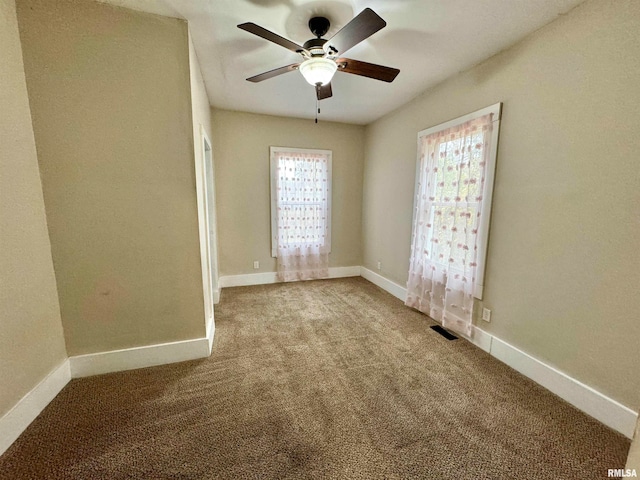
[321,58]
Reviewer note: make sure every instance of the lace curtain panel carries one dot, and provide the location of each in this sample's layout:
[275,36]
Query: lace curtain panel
[302,220]
[448,210]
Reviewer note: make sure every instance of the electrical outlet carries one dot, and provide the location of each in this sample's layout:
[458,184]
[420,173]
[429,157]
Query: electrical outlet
[256,265]
[379,266]
[486,314]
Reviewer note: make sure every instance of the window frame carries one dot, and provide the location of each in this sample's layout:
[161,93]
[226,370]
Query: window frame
[273,161]
[487,193]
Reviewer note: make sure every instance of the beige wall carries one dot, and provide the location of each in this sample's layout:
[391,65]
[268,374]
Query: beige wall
[31,339]
[241,148]
[562,273]
[109,94]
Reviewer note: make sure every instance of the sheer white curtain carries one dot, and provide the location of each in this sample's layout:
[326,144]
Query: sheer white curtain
[302,188]
[448,214]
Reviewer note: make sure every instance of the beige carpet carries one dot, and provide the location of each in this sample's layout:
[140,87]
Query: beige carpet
[324,379]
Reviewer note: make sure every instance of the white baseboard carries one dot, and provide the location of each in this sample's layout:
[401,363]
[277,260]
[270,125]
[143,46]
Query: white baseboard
[590,401]
[141,357]
[581,396]
[480,338]
[247,279]
[393,288]
[216,296]
[264,278]
[343,272]
[16,420]
[210,332]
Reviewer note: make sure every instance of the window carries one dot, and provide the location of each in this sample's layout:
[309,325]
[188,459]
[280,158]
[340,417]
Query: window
[454,185]
[300,200]
[454,203]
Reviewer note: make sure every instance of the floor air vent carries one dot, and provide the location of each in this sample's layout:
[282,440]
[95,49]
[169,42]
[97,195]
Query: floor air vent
[444,333]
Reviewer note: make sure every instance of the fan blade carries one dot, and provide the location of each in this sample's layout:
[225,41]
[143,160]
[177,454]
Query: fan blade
[371,70]
[272,37]
[324,91]
[360,28]
[273,73]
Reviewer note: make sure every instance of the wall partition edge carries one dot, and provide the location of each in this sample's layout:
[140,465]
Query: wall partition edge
[209,285]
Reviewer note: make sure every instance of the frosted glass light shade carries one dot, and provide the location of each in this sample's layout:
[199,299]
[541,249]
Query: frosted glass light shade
[318,70]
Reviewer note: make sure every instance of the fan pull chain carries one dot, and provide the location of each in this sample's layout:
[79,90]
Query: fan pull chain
[317,107]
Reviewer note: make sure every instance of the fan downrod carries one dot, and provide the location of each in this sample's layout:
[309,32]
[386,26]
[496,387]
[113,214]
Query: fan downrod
[319,26]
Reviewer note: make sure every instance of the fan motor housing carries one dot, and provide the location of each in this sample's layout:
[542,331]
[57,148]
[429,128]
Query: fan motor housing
[314,46]
[319,26]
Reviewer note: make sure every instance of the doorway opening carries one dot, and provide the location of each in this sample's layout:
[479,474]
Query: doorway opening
[208,234]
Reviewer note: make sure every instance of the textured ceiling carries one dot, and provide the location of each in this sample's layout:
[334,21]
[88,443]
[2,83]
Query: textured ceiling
[428,40]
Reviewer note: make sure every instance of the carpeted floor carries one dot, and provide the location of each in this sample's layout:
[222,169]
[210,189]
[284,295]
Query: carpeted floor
[324,379]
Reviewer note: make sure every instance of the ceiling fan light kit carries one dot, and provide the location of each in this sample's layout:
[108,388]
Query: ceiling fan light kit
[318,70]
[320,56]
